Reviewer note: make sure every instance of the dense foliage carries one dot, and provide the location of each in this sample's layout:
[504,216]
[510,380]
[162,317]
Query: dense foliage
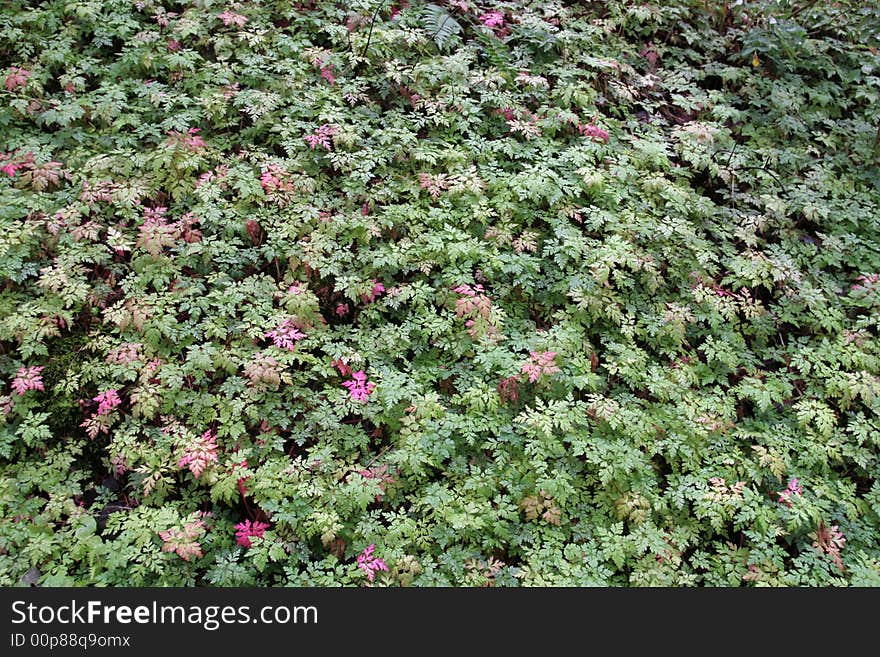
[375,293]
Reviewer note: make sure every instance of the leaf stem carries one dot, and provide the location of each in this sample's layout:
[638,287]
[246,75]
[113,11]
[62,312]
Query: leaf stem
[370,33]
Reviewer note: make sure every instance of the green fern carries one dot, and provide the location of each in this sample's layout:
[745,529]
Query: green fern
[494,52]
[439,24]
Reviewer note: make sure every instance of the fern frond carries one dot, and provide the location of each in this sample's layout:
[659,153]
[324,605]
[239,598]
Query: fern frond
[495,52]
[439,24]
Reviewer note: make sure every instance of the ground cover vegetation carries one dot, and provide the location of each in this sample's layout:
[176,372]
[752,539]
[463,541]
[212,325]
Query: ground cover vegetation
[459,293]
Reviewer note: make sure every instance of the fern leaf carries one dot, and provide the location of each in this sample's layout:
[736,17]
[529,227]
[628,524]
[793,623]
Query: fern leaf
[495,53]
[439,24]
